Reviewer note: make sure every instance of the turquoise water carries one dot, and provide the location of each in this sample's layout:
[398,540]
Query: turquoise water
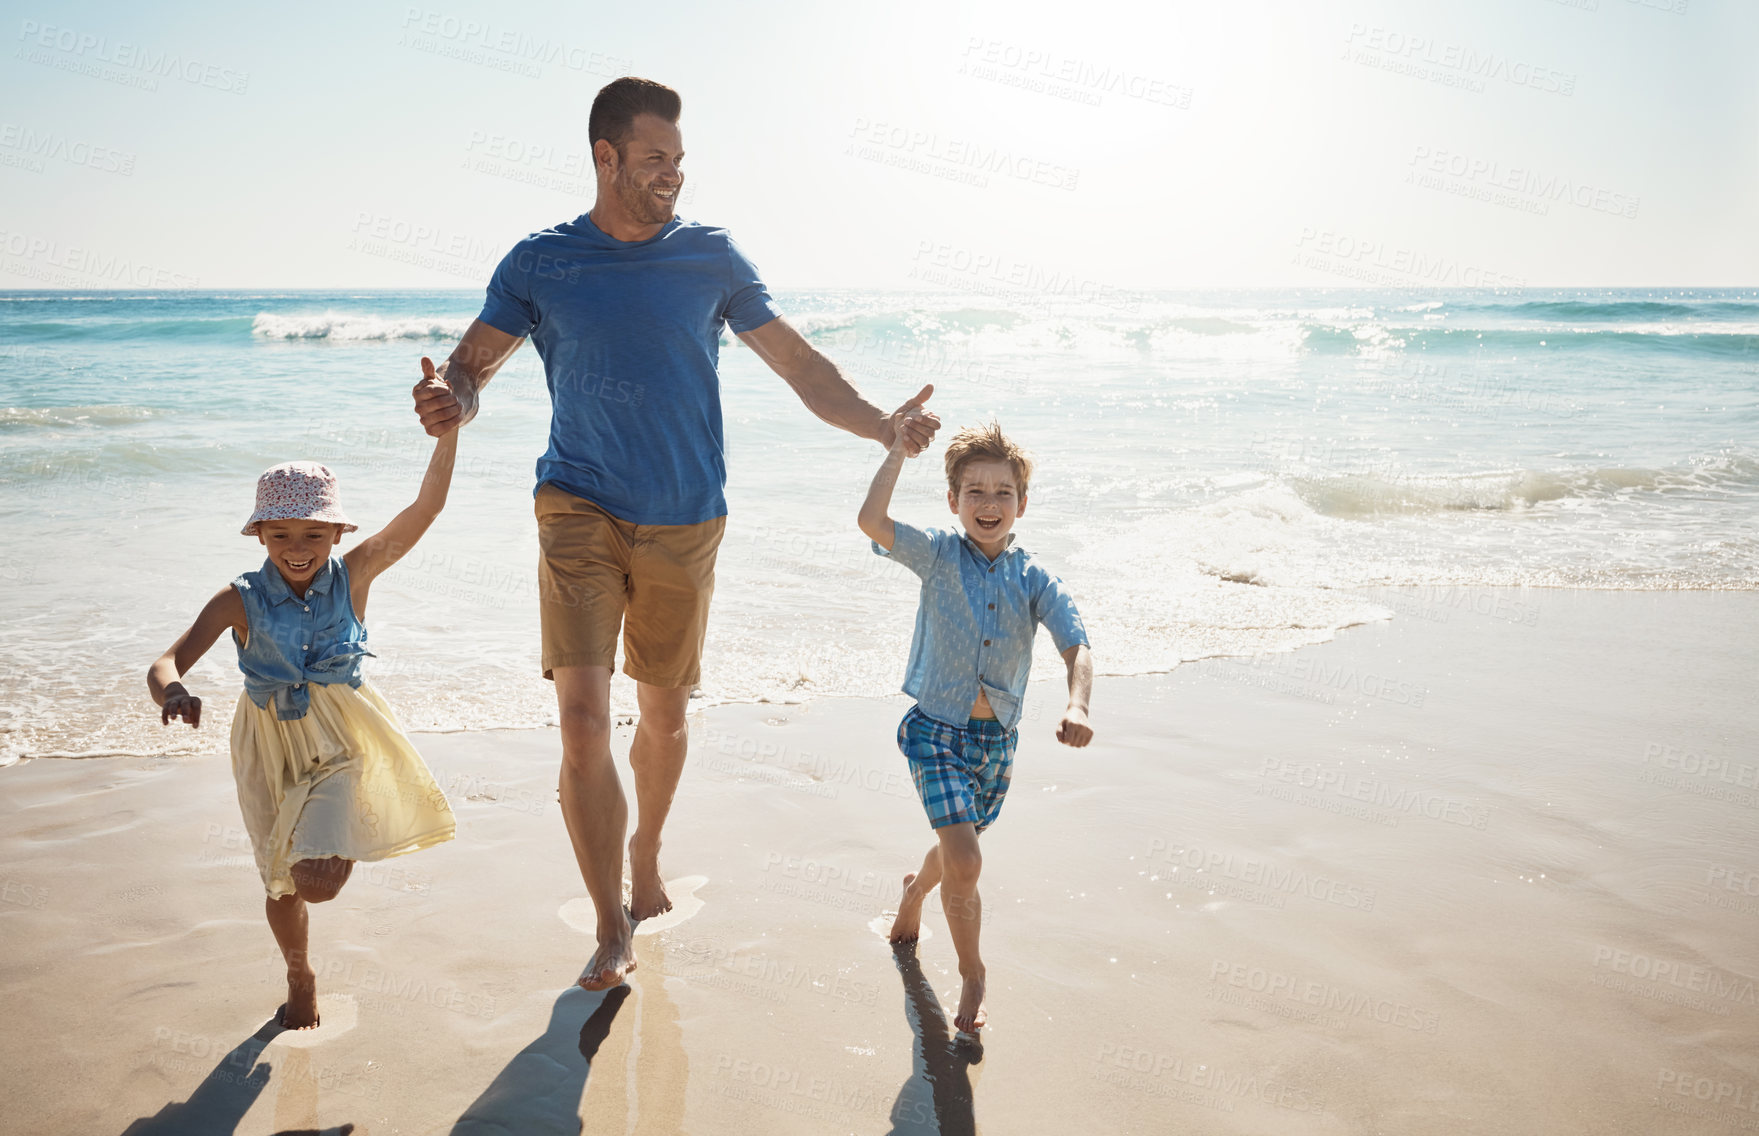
[1219,473]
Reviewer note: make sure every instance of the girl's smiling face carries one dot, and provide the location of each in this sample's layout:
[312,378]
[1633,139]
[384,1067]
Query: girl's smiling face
[988,501]
[299,548]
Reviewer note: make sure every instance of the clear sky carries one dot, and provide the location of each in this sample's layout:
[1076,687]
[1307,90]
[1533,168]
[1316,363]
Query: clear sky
[1136,145]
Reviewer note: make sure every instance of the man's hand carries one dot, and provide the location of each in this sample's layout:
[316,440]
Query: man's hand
[1073,730]
[912,424]
[444,404]
[181,704]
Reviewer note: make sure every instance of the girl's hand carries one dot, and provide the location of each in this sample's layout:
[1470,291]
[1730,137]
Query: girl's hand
[180,703]
[1073,730]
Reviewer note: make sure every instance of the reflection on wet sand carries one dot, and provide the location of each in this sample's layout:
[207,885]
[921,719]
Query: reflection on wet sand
[938,1095]
[653,1049]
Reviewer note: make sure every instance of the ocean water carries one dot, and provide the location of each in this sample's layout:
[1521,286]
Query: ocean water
[1218,474]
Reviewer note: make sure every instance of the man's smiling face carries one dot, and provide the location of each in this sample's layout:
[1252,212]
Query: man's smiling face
[647,177]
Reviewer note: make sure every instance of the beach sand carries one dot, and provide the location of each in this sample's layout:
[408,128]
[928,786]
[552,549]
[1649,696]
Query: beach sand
[1488,867]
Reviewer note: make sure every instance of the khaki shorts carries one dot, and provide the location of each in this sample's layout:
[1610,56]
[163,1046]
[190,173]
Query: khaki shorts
[597,573]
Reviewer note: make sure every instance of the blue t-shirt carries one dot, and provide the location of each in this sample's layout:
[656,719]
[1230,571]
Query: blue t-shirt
[630,336]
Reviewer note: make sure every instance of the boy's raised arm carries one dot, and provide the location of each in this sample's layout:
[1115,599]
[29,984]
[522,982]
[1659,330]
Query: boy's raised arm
[874,518]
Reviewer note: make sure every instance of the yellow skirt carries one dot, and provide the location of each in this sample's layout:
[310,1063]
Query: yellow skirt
[342,781]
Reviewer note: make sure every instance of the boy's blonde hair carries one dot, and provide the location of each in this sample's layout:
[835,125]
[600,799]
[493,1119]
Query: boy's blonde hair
[986,443]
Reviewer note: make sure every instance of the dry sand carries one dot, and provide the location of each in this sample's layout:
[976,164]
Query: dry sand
[1490,867]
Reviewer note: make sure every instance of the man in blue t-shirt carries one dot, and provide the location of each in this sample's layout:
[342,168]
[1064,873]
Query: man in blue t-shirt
[625,305]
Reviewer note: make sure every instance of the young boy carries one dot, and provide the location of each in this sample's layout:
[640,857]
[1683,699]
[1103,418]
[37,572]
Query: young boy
[982,598]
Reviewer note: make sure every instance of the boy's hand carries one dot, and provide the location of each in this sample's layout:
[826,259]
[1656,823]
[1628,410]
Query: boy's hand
[180,703]
[1073,730]
[912,425]
[901,441]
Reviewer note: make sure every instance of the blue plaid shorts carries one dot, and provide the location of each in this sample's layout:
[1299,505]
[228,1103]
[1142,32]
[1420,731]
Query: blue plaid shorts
[961,772]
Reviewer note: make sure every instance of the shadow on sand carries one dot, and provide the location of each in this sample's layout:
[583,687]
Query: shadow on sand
[226,1094]
[539,1091]
[641,1076]
[937,1097]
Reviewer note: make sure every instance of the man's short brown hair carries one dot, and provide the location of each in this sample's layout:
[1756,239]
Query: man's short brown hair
[986,443]
[620,100]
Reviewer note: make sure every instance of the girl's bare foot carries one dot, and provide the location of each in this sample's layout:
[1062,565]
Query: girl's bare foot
[971,1015]
[908,925]
[301,1010]
[647,892]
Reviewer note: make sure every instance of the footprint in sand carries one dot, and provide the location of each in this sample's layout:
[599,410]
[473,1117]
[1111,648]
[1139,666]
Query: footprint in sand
[337,1014]
[580,914]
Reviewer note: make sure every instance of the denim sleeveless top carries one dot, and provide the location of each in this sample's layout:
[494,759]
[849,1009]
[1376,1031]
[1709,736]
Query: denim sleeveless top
[294,641]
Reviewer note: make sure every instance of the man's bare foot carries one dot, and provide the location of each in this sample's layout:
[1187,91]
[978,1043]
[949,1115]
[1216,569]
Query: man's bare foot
[971,1015]
[647,892]
[908,925]
[301,1010]
[610,963]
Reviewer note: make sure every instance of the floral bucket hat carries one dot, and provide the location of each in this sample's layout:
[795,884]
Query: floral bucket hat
[298,491]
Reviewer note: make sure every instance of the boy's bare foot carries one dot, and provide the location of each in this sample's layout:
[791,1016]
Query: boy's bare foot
[971,1015]
[908,925]
[610,963]
[647,892]
[301,1010]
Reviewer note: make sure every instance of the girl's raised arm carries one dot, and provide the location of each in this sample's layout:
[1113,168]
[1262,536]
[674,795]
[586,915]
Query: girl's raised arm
[392,543]
[223,611]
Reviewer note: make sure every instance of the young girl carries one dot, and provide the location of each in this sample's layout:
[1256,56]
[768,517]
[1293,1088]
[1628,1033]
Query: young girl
[325,774]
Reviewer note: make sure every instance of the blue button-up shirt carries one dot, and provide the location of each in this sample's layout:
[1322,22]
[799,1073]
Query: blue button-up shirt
[293,640]
[975,622]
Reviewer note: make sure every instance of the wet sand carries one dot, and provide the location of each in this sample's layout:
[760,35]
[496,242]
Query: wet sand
[1489,867]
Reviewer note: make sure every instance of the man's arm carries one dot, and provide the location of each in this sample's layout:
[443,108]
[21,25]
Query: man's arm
[447,399]
[1073,730]
[824,390]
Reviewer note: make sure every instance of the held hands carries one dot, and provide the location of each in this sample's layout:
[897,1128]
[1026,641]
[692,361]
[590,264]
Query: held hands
[180,703]
[1073,730]
[443,404]
[912,427]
